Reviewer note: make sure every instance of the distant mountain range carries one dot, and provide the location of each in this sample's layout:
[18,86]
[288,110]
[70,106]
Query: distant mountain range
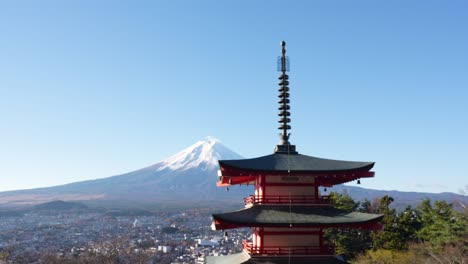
[401,199]
[186,179]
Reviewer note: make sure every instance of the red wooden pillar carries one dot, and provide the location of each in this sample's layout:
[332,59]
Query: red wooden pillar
[321,238]
[262,186]
[261,233]
[316,189]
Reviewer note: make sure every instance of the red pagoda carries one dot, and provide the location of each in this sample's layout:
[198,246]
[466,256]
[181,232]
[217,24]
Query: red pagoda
[286,213]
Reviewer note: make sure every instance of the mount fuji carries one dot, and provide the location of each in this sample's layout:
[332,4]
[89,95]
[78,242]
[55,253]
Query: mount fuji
[188,177]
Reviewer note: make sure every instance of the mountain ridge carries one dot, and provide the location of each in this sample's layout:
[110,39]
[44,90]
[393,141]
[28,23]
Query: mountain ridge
[188,177]
[190,174]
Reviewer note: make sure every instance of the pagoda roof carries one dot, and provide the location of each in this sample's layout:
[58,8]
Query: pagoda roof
[300,216]
[283,162]
[295,260]
[244,258]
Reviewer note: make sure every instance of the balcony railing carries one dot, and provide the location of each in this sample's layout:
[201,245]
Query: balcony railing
[286,199]
[287,250]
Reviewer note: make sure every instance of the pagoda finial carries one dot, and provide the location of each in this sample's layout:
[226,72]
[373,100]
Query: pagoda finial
[283,65]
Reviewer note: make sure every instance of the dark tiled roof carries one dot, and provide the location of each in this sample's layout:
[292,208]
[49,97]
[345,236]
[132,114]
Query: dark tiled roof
[244,258]
[295,162]
[280,215]
[295,260]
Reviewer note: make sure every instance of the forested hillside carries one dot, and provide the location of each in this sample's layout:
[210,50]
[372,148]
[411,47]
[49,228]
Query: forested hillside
[431,232]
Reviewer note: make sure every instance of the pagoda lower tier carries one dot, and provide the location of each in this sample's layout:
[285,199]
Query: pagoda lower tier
[245,258]
[281,232]
[296,216]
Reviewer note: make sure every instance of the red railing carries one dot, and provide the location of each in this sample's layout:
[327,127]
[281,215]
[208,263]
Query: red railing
[287,250]
[286,199]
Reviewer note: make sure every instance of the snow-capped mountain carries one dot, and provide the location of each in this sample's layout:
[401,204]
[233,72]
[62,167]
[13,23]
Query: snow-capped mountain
[187,178]
[203,155]
[189,175]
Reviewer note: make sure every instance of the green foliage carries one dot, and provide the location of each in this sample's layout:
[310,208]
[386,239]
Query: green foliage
[5,254]
[366,207]
[347,242]
[441,224]
[429,233]
[343,201]
[385,256]
[399,229]
[418,253]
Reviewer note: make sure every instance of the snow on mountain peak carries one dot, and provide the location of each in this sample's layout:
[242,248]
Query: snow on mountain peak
[210,140]
[204,154]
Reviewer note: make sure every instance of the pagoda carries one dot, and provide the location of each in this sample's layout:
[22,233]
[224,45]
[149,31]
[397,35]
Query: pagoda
[286,213]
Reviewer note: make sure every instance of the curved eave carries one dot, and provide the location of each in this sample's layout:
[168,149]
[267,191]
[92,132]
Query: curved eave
[297,216]
[223,225]
[298,163]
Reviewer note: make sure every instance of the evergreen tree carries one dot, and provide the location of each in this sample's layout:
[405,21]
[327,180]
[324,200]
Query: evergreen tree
[343,201]
[399,229]
[441,224]
[347,242]
[366,207]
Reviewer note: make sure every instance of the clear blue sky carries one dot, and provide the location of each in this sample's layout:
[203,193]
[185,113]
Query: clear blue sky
[90,89]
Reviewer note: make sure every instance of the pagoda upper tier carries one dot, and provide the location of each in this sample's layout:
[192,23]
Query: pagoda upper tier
[327,172]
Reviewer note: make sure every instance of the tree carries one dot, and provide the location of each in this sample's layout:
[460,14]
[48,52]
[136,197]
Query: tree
[431,233]
[366,207]
[408,223]
[347,242]
[399,229]
[441,224]
[5,254]
[343,201]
